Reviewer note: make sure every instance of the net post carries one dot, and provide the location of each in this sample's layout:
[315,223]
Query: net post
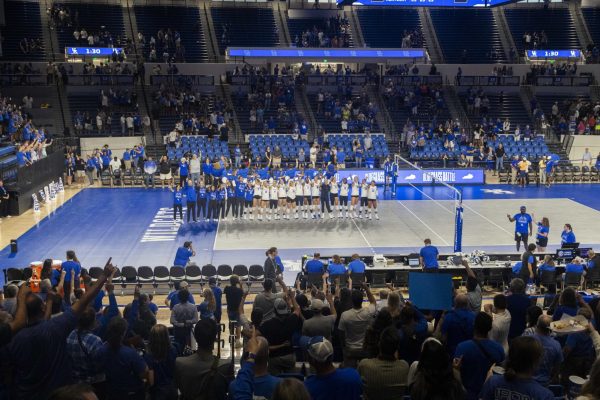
[458,217]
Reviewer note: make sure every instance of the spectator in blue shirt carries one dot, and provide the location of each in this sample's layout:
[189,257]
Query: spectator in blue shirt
[160,357]
[263,383]
[125,369]
[567,304]
[428,256]
[578,351]
[329,382]
[183,171]
[523,227]
[478,355]
[517,304]
[457,325]
[172,298]
[547,371]
[71,265]
[524,356]
[567,236]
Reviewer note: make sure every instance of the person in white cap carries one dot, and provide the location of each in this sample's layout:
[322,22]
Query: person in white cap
[329,382]
[279,331]
[319,324]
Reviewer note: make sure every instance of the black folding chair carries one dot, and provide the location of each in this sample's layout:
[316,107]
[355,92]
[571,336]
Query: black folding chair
[224,272]
[572,279]
[193,274]
[208,271]
[128,276]
[256,273]
[145,276]
[548,280]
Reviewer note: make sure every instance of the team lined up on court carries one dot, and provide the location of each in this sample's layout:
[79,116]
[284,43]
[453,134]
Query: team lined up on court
[276,199]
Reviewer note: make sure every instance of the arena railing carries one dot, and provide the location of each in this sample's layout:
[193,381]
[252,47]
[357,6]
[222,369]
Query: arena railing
[488,81]
[564,80]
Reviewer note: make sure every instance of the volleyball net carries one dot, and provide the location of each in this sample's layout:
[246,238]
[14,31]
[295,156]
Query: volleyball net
[432,187]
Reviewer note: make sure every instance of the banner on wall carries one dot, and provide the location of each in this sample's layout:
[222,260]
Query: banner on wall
[418,176]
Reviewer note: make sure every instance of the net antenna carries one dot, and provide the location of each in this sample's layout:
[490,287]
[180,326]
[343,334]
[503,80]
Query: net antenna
[403,163]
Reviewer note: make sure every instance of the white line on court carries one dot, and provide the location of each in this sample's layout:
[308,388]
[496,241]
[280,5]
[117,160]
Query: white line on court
[488,220]
[437,202]
[424,223]
[363,236]
[212,253]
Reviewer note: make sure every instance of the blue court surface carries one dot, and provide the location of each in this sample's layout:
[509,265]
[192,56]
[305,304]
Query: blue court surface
[135,227]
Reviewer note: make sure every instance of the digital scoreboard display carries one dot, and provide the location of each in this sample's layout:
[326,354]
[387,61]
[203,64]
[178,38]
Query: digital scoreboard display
[92,51]
[429,3]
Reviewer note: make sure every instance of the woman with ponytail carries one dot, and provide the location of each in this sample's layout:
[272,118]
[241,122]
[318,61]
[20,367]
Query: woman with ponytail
[125,369]
[524,356]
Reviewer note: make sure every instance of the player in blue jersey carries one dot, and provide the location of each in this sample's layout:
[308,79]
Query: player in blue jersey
[248,200]
[177,202]
[192,198]
[213,203]
[202,195]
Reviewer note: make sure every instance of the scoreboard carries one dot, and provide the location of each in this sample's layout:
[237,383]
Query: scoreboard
[429,3]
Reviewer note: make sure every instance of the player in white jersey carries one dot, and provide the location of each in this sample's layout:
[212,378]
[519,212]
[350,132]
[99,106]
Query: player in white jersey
[273,200]
[354,197]
[334,191]
[306,190]
[364,201]
[291,200]
[372,196]
[256,199]
[315,193]
[344,189]
[299,197]
[282,195]
[264,204]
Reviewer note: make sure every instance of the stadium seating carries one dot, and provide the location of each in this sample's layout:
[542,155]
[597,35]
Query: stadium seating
[297,26]
[546,101]
[8,162]
[94,18]
[168,118]
[384,27]
[90,103]
[379,149]
[592,20]
[333,125]
[289,147]
[212,149]
[556,22]
[185,20]
[237,22]
[22,21]
[508,106]
[479,40]
[533,149]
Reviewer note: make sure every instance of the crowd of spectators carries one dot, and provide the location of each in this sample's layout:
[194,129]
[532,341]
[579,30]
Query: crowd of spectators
[535,40]
[17,127]
[331,32]
[165,47]
[63,18]
[577,116]
[355,113]
[347,350]
[412,39]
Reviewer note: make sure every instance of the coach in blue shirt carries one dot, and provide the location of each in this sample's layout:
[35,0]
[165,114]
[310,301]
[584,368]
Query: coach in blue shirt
[523,227]
[429,256]
[182,257]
